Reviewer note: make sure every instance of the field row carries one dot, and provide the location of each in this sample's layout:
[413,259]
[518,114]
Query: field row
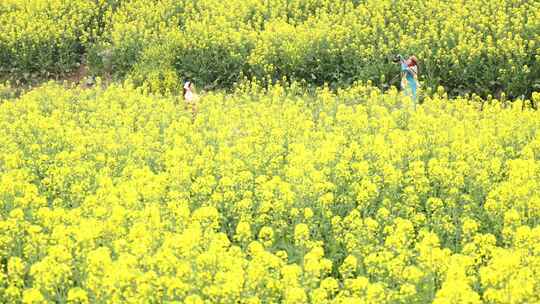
[482,46]
[267,197]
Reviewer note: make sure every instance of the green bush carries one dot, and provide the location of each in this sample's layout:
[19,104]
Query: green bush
[45,38]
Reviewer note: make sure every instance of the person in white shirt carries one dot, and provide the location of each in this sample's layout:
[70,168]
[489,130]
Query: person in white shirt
[190,97]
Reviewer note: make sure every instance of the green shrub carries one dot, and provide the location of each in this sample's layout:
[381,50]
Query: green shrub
[44,38]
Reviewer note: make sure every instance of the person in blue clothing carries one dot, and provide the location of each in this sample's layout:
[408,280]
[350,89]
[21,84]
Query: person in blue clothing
[409,77]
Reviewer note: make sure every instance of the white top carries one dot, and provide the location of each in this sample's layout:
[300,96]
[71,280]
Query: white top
[189,96]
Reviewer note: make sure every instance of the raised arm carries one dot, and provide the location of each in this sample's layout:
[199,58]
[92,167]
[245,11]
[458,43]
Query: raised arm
[404,66]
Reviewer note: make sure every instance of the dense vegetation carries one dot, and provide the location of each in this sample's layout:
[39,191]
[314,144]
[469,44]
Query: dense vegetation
[310,179]
[267,197]
[481,46]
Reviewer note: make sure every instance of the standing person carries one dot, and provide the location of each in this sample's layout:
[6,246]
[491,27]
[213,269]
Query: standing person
[190,97]
[409,77]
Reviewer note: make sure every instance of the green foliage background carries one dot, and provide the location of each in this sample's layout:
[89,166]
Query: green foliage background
[481,46]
